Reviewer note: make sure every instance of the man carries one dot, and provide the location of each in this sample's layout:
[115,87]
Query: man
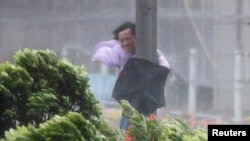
[115,53]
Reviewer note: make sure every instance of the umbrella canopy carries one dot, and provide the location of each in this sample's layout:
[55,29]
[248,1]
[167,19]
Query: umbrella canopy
[141,82]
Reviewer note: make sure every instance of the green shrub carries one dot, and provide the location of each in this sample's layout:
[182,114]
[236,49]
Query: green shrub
[70,127]
[43,98]
[142,128]
[38,86]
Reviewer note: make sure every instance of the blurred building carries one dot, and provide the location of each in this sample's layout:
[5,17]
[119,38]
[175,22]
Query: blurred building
[205,41]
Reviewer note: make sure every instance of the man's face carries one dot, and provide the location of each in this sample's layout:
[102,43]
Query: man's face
[127,40]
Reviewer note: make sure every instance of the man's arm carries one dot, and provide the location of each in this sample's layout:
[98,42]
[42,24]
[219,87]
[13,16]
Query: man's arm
[107,52]
[162,60]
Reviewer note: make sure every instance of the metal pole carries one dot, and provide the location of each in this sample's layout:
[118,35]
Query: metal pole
[192,84]
[237,87]
[238,67]
[146,29]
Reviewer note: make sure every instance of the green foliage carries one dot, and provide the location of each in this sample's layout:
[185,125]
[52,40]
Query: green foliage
[70,127]
[141,128]
[38,86]
[50,100]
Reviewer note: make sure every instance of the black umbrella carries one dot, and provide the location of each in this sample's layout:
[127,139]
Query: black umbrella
[141,83]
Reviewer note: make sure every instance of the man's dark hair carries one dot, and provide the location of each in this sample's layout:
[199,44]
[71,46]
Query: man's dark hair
[122,27]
